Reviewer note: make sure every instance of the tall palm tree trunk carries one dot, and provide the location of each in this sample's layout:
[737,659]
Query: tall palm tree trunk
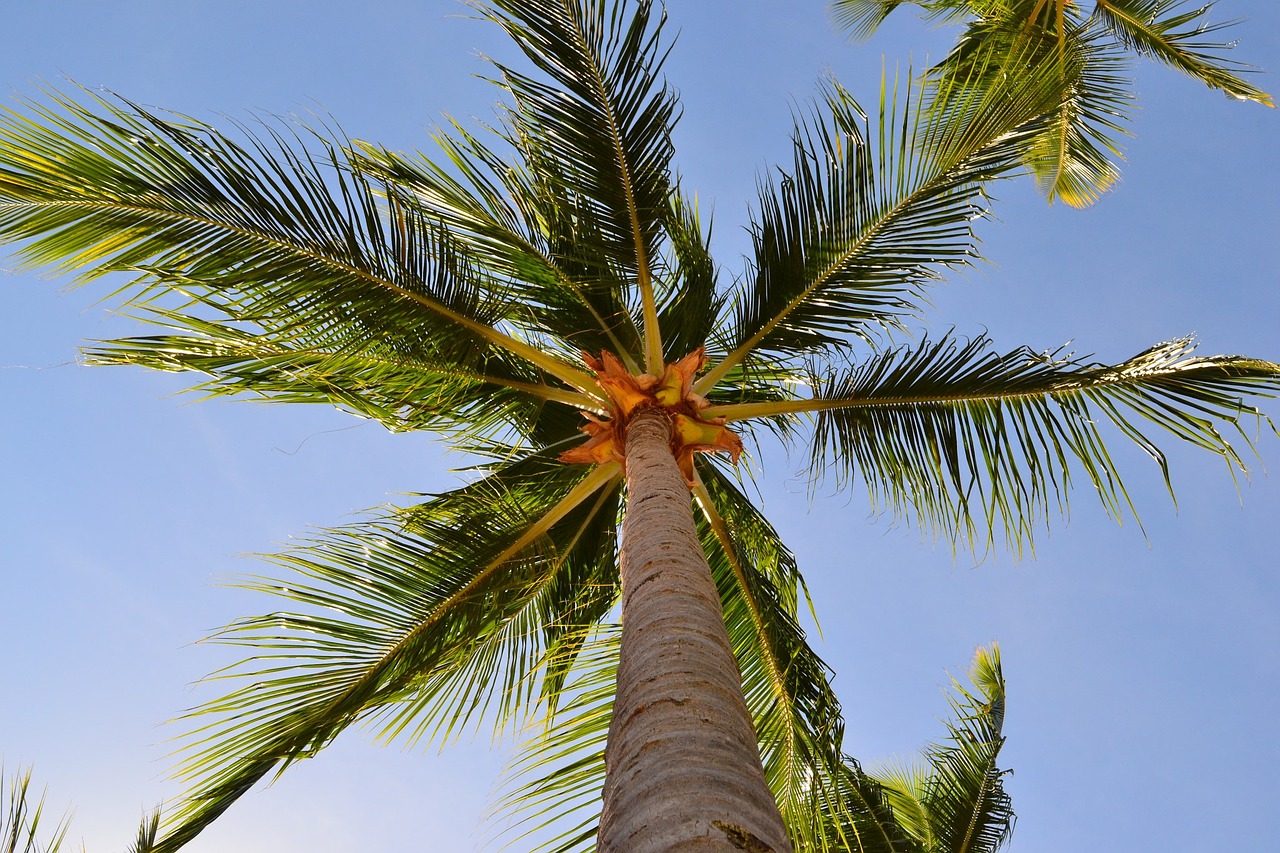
[683,769]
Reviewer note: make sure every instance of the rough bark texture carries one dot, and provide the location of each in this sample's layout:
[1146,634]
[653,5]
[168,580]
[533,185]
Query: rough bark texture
[683,767]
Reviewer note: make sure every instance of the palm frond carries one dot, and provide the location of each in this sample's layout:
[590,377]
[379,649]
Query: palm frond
[1069,157]
[551,801]
[1172,33]
[964,796]
[861,18]
[470,394]
[267,233]
[690,301]
[597,138]
[494,208]
[416,625]
[954,799]
[148,832]
[969,441]
[22,824]
[861,818]
[905,788]
[847,242]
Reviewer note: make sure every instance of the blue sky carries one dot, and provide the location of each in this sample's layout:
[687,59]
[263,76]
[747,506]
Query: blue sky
[1143,670]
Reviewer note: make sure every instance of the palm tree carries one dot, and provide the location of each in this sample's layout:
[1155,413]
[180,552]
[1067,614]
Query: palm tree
[554,269]
[1070,157]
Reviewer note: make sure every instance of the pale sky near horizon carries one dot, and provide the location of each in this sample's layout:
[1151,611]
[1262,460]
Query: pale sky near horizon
[1143,670]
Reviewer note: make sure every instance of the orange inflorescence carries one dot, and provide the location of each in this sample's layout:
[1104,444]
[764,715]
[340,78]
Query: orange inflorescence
[690,432]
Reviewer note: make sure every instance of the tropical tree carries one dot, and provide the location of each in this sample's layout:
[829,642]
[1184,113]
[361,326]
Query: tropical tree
[1072,157]
[550,277]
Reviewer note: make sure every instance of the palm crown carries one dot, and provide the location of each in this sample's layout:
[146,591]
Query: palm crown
[551,269]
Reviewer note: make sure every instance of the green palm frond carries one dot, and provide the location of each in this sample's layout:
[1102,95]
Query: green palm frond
[1071,157]
[861,18]
[597,137]
[845,244]
[473,394]
[955,799]
[691,302]
[268,233]
[148,832]
[965,796]
[1173,33]
[490,205]
[970,441]
[552,788]
[860,818]
[22,824]
[905,785]
[415,625]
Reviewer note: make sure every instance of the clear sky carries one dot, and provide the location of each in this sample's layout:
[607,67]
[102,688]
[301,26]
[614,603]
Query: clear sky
[1144,671]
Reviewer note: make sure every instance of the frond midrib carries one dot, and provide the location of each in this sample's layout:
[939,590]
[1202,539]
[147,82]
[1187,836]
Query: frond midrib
[882,222]
[272,348]
[577,379]
[652,341]
[744,411]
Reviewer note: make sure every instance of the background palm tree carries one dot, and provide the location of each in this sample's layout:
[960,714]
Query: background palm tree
[223,348]
[1072,156]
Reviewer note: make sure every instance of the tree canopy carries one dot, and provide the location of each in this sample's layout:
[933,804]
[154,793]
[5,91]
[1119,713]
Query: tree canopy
[456,296]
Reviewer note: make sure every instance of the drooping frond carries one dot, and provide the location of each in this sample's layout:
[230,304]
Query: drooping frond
[861,18]
[596,139]
[551,801]
[865,219]
[1173,33]
[416,625]
[969,442]
[1070,156]
[267,234]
